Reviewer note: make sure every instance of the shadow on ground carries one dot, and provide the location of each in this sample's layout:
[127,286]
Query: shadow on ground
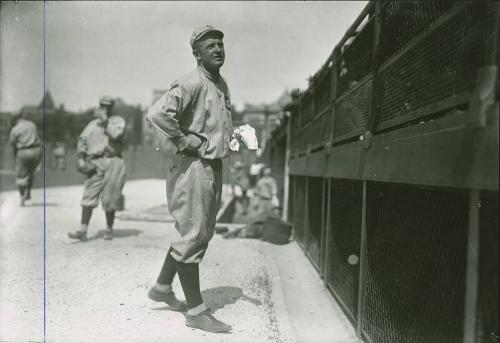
[41,204]
[218,297]
[117,233]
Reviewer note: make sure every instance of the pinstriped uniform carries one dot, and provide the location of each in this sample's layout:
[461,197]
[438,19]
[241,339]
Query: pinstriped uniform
[197,104]
[194,187]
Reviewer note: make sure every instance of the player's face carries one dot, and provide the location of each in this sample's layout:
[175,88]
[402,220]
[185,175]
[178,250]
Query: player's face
[102,113]
[210,53]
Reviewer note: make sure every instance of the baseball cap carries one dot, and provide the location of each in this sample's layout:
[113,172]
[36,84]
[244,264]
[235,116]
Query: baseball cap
[201,31]
[106,101]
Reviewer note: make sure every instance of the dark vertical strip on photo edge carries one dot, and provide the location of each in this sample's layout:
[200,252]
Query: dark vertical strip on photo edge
[44,175]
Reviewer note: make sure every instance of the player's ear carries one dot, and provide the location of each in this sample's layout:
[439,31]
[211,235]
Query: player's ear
[196,54]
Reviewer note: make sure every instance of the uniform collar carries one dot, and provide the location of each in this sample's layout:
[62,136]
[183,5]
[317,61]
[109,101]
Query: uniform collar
[209,75]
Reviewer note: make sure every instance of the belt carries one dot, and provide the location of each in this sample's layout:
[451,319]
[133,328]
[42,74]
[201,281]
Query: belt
[185,153]
[93,157]
[29,147]
[195,155]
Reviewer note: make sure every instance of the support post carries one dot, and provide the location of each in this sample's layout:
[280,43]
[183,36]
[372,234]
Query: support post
[286,180]
[362,265]
[326,229]
[472,269]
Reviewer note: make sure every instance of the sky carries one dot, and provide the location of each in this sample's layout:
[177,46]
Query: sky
[127,49]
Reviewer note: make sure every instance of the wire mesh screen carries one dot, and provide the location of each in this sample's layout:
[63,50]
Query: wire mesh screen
[299,208]
[314,216]
[303,140]
[401,21]
[306,109]
[416,259]
[440,66]
[343,246]
[322,92]
[295,121]
[488,316]
[294,129]
[321,129]
[356,59]
[293,144]
[352,111]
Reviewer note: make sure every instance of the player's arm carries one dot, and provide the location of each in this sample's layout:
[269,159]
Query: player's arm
[81,149]
[164,115]
[13,142]
[82,144]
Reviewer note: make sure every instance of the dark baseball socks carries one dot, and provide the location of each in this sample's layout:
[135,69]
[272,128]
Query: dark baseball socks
[22,193]
[86,215]
[110,220]
[162,290]
[189,275]
[168,270]
[81,234]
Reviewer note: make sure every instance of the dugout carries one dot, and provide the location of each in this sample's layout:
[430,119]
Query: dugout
[391,176]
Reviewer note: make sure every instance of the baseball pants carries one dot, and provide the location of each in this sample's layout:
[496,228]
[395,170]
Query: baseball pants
[107,184]
[27,160]
[194,188]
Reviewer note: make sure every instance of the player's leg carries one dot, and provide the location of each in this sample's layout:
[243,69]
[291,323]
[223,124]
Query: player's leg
[193,193]
[114,180]
[189,275]
[30,185]
[110,220]
[34,161]
[92,188]
[22,174]
[198,315]
[162,289]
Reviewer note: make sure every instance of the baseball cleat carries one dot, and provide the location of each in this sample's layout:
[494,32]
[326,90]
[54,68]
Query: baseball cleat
[81,235]
[168,298]
[206,322]
[108,234]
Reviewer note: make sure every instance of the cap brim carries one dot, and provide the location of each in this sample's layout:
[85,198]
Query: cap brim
[204,33]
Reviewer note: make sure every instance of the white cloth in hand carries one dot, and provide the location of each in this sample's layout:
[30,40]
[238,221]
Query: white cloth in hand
[234,145]
[115,127]
[247,134]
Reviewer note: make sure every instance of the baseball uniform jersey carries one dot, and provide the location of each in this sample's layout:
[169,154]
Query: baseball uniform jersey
[196,104]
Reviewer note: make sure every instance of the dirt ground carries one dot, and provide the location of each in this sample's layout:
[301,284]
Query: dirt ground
[96,291]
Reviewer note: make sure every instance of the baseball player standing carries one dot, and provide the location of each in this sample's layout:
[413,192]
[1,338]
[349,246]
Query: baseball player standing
[26,146]
[267,191]
[100,158]
[195,114]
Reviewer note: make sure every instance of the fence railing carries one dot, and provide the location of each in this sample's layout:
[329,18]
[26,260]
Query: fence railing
[400,62]
[393,172]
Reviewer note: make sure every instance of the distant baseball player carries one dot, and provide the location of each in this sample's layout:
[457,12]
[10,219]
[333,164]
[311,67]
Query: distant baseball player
[267,192]
[100,159]
[26,146]
[241,185]
[195,114]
